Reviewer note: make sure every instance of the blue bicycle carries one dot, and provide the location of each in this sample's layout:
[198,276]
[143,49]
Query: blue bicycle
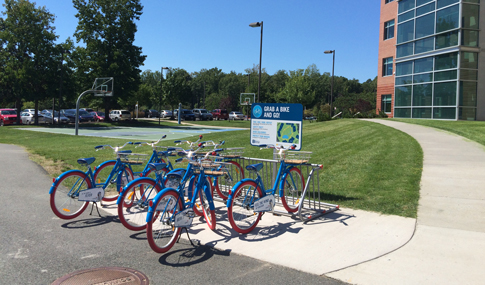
[72,191]
[249,199]
[169,212]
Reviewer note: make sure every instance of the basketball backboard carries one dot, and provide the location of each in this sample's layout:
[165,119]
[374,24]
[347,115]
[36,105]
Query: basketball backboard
[247,99]
[103,86]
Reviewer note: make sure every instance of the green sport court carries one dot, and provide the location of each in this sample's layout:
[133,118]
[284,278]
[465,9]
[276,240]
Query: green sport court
[136,133]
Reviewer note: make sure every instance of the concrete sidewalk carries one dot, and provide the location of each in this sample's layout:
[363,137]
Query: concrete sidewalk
[448,246]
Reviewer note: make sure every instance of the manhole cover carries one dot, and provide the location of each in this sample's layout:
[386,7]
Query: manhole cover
[103,276]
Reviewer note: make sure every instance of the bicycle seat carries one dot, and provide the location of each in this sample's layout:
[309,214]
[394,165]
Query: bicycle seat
[255,167]
[86,161]
[157,166]
[124,151]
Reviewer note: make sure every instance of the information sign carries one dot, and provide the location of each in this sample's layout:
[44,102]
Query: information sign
[276,124]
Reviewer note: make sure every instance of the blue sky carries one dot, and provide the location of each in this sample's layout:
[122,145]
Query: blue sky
[192,34]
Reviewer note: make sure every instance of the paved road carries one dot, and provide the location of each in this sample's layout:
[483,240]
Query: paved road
[37,248]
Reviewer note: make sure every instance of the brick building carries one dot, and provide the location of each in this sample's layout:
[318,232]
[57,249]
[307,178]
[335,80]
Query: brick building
[429,59]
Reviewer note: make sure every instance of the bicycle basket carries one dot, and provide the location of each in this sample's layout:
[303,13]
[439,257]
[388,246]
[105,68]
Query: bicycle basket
[210,168]
[233,152]
[297,157]
[133,158]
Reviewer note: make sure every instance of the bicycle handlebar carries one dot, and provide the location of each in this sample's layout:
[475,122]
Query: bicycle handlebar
[115,148]
[152,144]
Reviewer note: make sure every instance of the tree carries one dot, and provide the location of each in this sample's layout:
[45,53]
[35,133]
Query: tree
[298,89]
[176,88]
[27,54]
[108,28]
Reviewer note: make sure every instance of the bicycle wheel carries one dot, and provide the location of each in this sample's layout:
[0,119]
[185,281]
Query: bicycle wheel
[111,191]
[133,208]
[209,215]
[225,182]
[152,174]
[293,185]
[161,231]
[240,212]
[64,198]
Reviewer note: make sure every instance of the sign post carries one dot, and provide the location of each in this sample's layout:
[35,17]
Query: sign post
[277,124]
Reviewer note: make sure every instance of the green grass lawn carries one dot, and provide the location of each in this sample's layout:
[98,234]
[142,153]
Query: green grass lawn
[472,130]
[367,165]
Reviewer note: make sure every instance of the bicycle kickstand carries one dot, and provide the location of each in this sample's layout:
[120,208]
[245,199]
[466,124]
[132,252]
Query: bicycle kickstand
[187,231]
[92,206]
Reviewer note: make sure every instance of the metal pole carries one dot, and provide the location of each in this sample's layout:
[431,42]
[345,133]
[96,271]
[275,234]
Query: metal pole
[331,87]
[60,93]
[160,97]
[77,107]
[260,57]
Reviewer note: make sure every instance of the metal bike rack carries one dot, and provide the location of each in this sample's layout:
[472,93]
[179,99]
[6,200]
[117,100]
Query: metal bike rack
[311,206]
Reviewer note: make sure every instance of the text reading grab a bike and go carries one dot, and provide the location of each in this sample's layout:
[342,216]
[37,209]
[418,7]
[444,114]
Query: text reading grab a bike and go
[276,124]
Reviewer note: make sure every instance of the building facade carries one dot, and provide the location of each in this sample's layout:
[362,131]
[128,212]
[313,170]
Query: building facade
[430,65]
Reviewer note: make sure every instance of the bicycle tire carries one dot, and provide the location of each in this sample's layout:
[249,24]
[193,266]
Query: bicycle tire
[152,174]
[241,216]
[205,205]
[68,207]
[133,209]
[161,232]
[223,185]
[112,189]
[293,185]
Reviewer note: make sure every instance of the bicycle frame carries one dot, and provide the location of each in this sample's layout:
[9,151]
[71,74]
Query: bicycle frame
[283,170]
[89,175]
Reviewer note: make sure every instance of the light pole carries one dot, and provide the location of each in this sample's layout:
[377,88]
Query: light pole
[60,89]
[331,86]
[160,97]
[254,25]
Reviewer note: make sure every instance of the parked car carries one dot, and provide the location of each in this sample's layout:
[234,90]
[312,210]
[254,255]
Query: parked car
[45,111]
[236,116]
[98,116]
[118,115]
[8,117]
[166,113]
[220,114]
[48,118]
[89,110]
[83,115]
[28,111]
[186,115]
[202,114]
[28,118]
[151,113]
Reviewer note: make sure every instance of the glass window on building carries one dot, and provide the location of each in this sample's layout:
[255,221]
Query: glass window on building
[421,2]
[469,17]
[403,80]
[444,113]
[404,68]
[446,61]
[405,5]
[469,60]
[421,113]
[424,45]
[444,3]
[467,74]
[406,16]
[425,9]
[425,26]
[405,32]
[445,75]
[447,40]
[389,1]
[467,114]
[402,96]
[447,19]
[386,103]
[445,94]
[423,77]
[423,65]
[468,94]
[423,95]
[389,30]
[469,38]
[402,112]
[387,66]
[404,50]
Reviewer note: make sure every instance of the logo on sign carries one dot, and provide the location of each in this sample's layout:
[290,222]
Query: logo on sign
[257,111]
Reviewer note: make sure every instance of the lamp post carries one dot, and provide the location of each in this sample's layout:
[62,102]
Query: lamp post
[254,25]
[160,97]
[331,86]
[60,90]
